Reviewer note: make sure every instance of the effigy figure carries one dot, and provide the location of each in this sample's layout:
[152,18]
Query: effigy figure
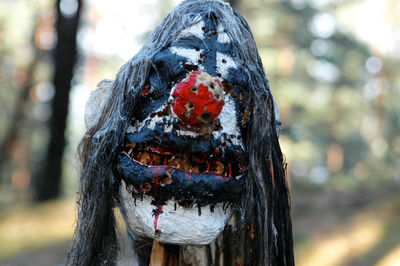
[185,142]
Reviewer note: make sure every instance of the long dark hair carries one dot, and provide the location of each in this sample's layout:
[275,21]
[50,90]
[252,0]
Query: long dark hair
[262,232]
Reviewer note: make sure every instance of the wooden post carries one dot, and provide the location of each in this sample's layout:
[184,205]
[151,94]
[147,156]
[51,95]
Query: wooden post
[164,254]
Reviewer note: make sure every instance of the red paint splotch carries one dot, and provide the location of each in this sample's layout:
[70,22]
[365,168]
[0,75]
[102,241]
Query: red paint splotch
[157,212]
[195,105]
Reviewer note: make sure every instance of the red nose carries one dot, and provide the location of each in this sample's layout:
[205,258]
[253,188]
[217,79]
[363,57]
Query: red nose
[198,99]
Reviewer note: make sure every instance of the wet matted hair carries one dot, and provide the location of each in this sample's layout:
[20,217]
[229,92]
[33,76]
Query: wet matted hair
[261,233]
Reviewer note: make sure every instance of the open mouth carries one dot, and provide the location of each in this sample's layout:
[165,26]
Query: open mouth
[192,163]
[164,173]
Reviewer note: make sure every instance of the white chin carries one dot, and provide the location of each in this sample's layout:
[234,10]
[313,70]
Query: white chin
[183,226]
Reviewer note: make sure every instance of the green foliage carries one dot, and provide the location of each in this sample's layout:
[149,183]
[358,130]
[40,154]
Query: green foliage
[341,120]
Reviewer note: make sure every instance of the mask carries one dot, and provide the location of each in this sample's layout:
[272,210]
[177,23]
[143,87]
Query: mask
[187,137]
[183,159]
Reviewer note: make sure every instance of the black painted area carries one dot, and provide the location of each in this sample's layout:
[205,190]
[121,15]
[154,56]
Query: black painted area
[171,141]
[170,68]
[167,69]
[201,189]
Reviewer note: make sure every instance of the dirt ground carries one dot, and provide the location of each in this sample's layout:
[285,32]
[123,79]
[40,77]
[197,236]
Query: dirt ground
[331,227]
[50,255]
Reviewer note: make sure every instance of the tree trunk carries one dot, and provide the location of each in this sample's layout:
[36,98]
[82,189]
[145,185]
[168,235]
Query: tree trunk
[48,183]
[11,135]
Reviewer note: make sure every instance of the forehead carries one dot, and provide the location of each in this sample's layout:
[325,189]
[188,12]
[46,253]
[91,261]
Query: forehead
[204,46]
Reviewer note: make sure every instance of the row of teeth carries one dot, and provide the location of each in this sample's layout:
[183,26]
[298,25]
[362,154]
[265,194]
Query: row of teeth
[180,161]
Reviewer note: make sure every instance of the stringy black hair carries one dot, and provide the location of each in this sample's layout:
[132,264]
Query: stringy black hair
[262,233]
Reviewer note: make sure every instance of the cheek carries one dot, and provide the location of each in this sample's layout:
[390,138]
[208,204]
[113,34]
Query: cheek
[229,122]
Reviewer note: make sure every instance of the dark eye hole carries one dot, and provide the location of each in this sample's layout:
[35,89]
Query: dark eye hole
[191,67]
[160,64]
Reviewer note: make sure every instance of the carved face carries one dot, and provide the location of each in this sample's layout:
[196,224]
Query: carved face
[183,160]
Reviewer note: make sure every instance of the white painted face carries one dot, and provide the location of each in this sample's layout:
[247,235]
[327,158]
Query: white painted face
[183,159]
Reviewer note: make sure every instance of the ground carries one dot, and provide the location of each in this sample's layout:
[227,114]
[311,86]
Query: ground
[356,226]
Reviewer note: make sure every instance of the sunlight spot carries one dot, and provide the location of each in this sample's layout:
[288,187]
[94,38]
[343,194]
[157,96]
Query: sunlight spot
[319,174]
[319,47]
[391,259]
[373,64]
[68,8]
[373,88]
[324,71]
[339,247]
[323,25]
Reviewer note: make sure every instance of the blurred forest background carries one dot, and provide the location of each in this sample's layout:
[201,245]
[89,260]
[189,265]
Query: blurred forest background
[334,69]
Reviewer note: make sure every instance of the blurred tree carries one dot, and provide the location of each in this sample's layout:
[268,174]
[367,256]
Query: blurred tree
[24,66]
[333,93]
[234,3]
[11,133]
[48,183]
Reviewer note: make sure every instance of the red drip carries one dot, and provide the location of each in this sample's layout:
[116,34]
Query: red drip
[159,150]
[158,211]
[155,179]
[145,91]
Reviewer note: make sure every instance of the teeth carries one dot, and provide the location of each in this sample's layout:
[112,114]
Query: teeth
[130,145]
[166,181]
[156,159]
[192,163]
[219,167]
[145,158]
[185,164]
[195,169]
[173,161]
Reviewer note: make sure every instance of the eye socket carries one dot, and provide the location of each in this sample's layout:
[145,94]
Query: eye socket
[191,67]
[160,64]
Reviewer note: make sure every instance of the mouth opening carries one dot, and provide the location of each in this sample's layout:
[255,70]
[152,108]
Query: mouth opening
[152,155]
